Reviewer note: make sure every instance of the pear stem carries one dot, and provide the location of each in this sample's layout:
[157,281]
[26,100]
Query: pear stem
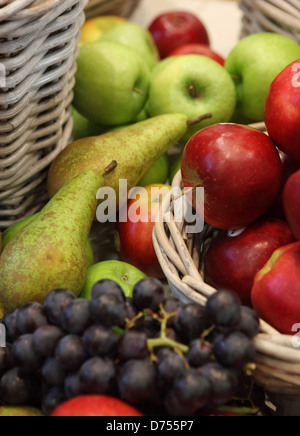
[113,165]
[193,121]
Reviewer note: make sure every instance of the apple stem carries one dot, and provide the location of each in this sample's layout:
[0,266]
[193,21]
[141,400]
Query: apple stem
[235,77]
[138,91]
[113,165]
[193,121]
[193,92]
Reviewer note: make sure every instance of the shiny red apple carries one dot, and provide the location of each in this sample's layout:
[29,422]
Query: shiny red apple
[239,169]
[95,405]
[290,166]
[232,262]
[291,200]
[135,244]
[276,291]
[200,49]
[282,110]
[176,28]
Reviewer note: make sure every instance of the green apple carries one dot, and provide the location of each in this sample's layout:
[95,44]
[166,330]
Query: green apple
[142,116]
[9,234]
[161,66]
[254,63]
[84,128]
[137,37]
[122,273]
[193,85]
[158,173]
[112,83]
[94,28]
[19,411]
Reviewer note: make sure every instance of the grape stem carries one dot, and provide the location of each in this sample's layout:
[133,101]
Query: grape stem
[130,323]
[166,342]
[239,410]
[207,333]
[163,340]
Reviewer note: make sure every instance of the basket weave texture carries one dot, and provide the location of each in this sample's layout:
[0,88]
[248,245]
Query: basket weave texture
[38,50]
[279,16]
[181,258]
[122,8]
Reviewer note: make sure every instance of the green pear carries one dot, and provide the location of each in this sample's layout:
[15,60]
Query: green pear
[20,411]
[135,148]
[137,37]
[50,252]
[254,63]
[9,234]
[112,83]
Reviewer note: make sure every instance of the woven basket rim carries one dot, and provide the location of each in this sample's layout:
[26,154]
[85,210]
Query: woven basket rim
[278,16]
[278,361]
[40,47]
[122,8]
[25,9]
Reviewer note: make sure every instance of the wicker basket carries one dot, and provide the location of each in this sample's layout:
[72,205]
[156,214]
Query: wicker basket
[181,258]
[38,50]
[122,8]
[279,16]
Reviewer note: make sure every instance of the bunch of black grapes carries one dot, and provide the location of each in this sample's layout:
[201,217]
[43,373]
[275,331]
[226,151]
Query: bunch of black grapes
[151,350]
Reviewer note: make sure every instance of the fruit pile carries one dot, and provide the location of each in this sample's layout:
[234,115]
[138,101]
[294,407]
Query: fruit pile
[251,182]
[80,328]
[150,350]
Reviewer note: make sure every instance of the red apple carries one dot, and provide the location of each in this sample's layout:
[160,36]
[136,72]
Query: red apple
[135,238]
[200,49]
[95,405]
[291,200]
[276,291]
[233,262]
[240,170]
[290,166]
[176,28]
[282,110]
